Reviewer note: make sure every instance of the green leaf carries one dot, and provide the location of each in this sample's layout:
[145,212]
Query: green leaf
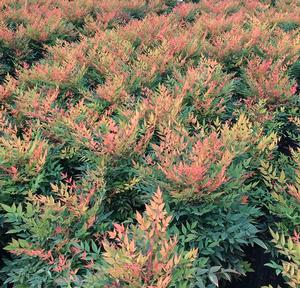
[6,208]
[214,279]
[19,209]
[94,247]
[214,269]
[184,231]
[260,243]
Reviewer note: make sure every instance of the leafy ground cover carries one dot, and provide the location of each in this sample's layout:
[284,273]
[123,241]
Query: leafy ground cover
[149,143]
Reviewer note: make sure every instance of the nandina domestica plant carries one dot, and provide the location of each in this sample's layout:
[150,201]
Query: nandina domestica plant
[103,101]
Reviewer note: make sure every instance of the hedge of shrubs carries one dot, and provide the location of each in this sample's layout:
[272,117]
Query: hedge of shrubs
[148,143]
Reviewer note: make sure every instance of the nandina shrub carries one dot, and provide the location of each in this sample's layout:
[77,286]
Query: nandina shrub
[55,234]
[103,101]
[289,247]
[144,256]
[207,89]
[269,81]
[70,255]
[202,167]
[22,160]
[228,228]
[176,164]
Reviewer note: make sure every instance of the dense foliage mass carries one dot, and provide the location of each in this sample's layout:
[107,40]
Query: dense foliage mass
[148,143]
